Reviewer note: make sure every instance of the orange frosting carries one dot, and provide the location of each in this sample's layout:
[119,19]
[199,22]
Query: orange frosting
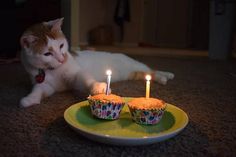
[146,103]
[107,98]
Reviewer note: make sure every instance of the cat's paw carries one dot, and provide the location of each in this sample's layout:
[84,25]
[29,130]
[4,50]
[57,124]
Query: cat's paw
[170,75]
[28,101]
[98,88]
[162,80]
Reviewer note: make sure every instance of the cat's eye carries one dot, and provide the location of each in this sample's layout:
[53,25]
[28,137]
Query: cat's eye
[61,46]
[48,54]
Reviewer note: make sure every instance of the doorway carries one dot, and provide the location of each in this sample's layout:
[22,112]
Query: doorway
[176,24]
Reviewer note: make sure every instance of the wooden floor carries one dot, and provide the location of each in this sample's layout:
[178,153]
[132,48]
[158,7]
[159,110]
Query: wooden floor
[150,51]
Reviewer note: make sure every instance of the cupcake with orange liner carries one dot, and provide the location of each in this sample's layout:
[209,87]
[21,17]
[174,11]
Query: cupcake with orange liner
[105,106]
[146,110]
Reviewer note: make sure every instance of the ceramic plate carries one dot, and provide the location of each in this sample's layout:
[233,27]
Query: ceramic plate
[124,131]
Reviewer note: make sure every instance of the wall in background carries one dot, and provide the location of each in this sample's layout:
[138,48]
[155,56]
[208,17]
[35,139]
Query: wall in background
[166,23]
[182,24]
[101,12]
[133,28]
[91,14]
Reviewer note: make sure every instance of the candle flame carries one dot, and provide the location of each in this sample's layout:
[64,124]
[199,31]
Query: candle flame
[148,77]
[108,72]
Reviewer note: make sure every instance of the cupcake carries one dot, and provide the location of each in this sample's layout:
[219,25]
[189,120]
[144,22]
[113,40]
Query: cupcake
[106,106]
[146,110]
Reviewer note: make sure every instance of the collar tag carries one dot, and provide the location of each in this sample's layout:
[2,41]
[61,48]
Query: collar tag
[39,78]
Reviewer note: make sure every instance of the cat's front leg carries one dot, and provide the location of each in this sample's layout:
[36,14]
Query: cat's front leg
[168,75]
[85,82]
[162,77]
[38,92]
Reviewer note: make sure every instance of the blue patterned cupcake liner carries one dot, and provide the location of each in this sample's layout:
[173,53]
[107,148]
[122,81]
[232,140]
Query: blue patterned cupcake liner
[147,117]
[105,110]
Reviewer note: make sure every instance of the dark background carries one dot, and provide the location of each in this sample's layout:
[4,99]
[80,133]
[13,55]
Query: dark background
[16,17]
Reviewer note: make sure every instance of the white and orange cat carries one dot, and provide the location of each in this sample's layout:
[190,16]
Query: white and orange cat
[52,68]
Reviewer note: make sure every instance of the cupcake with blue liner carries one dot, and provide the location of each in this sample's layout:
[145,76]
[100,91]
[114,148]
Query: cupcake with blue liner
[147,111]
[105,106]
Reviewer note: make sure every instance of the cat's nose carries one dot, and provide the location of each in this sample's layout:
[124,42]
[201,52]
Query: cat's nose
[62,60]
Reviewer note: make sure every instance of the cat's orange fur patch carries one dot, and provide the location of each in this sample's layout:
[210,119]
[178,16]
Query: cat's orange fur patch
[42,32]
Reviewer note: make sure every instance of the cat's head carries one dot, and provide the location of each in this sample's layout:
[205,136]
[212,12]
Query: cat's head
[44,45]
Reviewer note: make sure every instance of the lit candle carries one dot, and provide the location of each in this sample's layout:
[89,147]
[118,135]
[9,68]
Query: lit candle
[148,78]
[108,73]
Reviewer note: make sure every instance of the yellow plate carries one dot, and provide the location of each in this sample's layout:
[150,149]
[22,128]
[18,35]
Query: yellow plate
[124,131]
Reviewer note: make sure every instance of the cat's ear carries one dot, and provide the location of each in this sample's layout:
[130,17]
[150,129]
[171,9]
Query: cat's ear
[27,40]
[55,25]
